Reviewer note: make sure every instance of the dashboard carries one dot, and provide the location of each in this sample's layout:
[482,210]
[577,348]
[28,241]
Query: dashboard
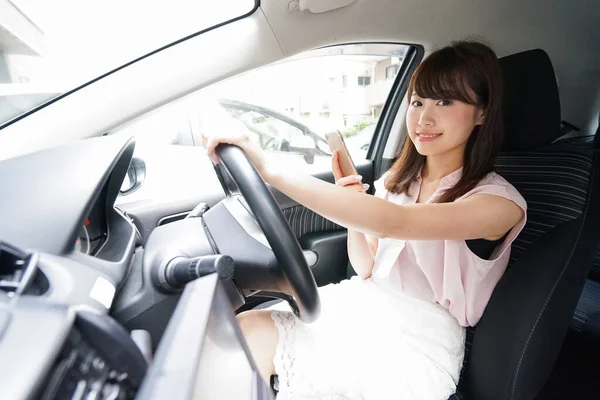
[76,286]
[94,231]
[64,252]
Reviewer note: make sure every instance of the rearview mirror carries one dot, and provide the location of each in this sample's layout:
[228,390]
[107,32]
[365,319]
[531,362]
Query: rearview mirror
[303,145]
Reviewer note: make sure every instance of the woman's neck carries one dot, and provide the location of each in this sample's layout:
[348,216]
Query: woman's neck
[438,166]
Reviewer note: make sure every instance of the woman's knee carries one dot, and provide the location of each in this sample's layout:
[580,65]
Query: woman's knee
[255,322]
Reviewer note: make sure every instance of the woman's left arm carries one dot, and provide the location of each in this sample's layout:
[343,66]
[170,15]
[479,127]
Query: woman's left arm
[478,216]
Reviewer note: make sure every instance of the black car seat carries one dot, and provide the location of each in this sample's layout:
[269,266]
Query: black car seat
[512,351]
[586,319]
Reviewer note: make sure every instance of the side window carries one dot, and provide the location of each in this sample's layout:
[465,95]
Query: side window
[272,133]
[167,126]
[278,132]
[289,106]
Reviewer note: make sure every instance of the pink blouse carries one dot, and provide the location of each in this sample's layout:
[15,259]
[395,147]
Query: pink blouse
[445,271]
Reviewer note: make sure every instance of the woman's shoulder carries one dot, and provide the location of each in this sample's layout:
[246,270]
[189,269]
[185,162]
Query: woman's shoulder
[495,184]
[494,178]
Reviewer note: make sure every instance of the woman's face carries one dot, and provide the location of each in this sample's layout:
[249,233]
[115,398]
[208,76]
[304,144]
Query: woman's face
[440,126]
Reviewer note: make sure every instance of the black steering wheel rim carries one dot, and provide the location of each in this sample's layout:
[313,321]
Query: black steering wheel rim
[276,229]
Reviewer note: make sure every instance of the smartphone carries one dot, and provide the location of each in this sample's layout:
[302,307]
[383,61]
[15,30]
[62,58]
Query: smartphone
[336,142]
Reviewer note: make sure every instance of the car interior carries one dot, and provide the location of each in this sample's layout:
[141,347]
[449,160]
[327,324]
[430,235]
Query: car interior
[113,290]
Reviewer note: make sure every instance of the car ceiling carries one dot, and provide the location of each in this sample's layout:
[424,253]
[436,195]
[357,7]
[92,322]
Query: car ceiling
[568,31]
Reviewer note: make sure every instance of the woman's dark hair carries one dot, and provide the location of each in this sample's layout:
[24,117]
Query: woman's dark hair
[456,72]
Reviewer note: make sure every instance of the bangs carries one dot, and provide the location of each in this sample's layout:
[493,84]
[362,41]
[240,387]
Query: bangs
[444,76]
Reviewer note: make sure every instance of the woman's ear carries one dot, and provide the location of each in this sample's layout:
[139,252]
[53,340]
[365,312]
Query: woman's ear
[480,117]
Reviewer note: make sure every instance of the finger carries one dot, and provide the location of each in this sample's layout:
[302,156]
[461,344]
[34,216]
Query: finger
[216,140]
[211,146]
[349,180]
[358,187]
[237,139]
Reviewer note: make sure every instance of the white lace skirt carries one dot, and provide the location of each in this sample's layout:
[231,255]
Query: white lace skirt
[368,344]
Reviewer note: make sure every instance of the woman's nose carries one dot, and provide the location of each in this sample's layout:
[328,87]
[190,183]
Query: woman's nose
[426,118]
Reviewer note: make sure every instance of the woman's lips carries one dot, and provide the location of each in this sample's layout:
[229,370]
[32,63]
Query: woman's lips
[427,136]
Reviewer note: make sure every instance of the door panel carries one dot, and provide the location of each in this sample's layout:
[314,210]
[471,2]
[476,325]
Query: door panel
[331,250]
[324,237]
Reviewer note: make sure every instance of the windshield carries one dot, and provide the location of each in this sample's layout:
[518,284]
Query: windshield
[48,47]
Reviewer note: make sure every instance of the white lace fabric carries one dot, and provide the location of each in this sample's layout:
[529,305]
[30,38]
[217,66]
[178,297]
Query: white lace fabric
[368,344]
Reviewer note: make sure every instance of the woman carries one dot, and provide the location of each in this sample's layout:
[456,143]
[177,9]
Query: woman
[428,248]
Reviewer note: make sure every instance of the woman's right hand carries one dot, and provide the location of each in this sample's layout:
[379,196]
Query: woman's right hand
[360,251]
[353,182]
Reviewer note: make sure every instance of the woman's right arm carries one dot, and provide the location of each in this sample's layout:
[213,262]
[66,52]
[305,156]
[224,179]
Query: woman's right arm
[361,252]
[362,247]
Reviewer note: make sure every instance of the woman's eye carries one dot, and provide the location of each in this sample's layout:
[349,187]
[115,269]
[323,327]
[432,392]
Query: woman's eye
[444,102]
[416,103]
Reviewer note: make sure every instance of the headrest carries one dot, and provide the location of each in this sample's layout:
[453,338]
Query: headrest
[531,105]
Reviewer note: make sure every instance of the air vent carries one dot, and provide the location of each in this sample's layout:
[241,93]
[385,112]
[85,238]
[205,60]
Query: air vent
[17,269]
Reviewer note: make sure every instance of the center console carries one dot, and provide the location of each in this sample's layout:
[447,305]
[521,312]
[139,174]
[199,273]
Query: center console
[202,354]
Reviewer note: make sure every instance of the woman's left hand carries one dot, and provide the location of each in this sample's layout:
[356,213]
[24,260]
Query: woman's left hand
[234,132]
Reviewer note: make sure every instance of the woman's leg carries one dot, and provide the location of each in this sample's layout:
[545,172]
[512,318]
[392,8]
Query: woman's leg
[261,336]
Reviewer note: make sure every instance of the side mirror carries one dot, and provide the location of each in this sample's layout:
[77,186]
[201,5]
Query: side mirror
[134,177]
[304,145]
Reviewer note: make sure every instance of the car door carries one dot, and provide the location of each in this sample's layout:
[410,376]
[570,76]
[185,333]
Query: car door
[287,107]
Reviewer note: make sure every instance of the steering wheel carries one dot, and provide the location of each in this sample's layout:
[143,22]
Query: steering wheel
[276,229]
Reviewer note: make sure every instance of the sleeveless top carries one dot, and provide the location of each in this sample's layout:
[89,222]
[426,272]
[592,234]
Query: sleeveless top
[446,271]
